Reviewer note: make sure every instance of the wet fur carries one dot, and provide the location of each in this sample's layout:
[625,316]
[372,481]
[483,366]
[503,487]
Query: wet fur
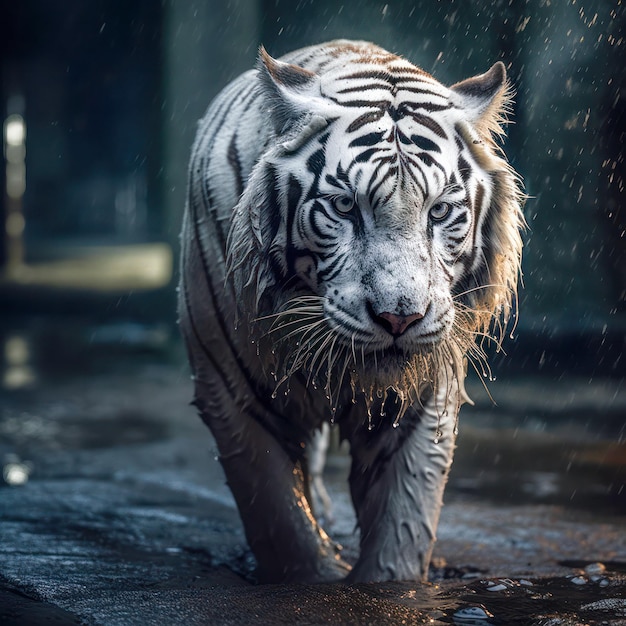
[269,368]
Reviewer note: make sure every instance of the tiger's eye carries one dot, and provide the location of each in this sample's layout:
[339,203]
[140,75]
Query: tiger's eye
[440,211]
[343,204]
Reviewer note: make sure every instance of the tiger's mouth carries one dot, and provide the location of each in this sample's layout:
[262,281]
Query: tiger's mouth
[393,340]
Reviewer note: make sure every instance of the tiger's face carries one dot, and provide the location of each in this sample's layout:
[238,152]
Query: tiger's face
[387,234]
[377,232]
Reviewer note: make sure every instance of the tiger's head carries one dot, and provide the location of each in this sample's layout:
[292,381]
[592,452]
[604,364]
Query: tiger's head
[379,234]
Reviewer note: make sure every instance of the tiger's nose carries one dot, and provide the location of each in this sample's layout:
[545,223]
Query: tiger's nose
[395,324]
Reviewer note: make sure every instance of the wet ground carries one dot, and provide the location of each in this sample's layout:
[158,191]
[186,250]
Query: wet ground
[113,508]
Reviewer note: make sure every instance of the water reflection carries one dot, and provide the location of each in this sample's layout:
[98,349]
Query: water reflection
[16,472]
[17,370]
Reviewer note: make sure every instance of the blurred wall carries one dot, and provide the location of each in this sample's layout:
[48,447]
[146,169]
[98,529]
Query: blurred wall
[206,44]
[130,81]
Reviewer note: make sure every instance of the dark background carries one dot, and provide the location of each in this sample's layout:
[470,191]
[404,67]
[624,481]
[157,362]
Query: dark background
[110,92]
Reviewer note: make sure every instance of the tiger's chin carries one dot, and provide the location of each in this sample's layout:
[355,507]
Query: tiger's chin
[404,373]
[301,342]
[375,377]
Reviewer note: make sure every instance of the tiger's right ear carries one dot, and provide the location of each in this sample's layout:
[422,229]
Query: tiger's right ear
[292,91]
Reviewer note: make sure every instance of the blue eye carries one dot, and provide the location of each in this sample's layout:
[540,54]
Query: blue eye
[440,211]
[343,204]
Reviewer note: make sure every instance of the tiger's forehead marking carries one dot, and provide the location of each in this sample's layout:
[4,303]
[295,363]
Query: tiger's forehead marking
[390,74]
[397,121]
[389,92]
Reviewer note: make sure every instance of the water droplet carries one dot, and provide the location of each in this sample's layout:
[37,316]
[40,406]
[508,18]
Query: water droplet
[473,612]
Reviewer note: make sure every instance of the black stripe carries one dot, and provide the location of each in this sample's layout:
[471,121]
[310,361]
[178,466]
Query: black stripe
[370,139]
[413,171]
[425,144]
[368,75]
[331,180]
[480,194]
[218,370]
[342,174]
[334,269]
[316,162]
[361,104]
[247,98]
[294,192]
[464,168]
[431,107]
[391,171]
[429,123]
[402,137]
[384,158]
[272,218]
[217,367]
[364,156]
[419,90]
[270,223]
[461,218]
[364,87]
[366,118]
[235,164]
[317,207]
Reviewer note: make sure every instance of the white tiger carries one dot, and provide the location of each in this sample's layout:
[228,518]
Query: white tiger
[352,229]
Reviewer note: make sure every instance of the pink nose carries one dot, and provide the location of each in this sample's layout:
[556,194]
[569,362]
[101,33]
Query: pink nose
[397,324]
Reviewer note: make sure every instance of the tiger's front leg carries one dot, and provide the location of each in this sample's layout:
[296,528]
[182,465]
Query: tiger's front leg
[397,481]
[269,486]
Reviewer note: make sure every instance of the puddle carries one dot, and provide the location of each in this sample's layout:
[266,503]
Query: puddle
[593,594]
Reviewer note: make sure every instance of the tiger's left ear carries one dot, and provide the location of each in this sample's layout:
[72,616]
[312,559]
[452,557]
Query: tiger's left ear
[485,99]
[293,92]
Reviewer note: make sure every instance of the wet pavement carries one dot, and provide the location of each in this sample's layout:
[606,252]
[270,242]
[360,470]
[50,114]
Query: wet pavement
[118,512]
